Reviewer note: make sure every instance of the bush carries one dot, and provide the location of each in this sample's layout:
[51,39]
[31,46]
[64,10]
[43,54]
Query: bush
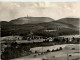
[53,56]
[36,52]
[57,49]
[53,50]
[60,48]
[48,50]
[35,55]
[70,55]
[73,49]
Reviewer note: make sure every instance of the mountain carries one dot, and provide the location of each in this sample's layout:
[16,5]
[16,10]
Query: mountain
[31,20]
[64,26]
[71,21]
[74,22]
[5,23]
[57,25]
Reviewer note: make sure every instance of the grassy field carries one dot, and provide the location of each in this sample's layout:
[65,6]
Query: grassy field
[64,46]
[58,55]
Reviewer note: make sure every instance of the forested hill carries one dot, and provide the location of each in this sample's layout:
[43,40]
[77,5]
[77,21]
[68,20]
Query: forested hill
[64,26]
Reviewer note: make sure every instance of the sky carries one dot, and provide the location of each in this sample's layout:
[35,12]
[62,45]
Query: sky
[39,0]
[55,10]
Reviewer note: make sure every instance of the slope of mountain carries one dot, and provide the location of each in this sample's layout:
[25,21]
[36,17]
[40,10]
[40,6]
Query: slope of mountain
[72,21]
[33,20]
[57,25]
[63,26]
[5,23]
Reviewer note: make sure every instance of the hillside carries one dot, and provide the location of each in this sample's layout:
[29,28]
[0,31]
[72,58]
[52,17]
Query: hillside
[62,27]
[31,20]
[72,21]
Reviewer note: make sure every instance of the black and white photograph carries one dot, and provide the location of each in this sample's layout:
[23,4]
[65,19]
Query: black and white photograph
[40,30]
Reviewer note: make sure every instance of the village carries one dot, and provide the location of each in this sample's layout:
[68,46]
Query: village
[37,46]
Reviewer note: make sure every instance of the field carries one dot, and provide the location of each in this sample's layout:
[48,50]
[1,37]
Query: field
[31,41]
[66,54]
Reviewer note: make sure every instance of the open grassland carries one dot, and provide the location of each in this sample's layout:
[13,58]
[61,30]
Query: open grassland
[66,54]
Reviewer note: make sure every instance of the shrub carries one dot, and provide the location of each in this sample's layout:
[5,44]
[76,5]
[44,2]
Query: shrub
[70,55]
[57,49]
[48,50]
[53,56]
[73,49]
[35,55]
[53,50]
[36,52]
[60,48]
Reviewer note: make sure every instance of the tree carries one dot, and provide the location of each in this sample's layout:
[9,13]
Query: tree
[67,40]
[53,50]
[57,49]
[63,40]
[36,52]
[48,50]
[60,48]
